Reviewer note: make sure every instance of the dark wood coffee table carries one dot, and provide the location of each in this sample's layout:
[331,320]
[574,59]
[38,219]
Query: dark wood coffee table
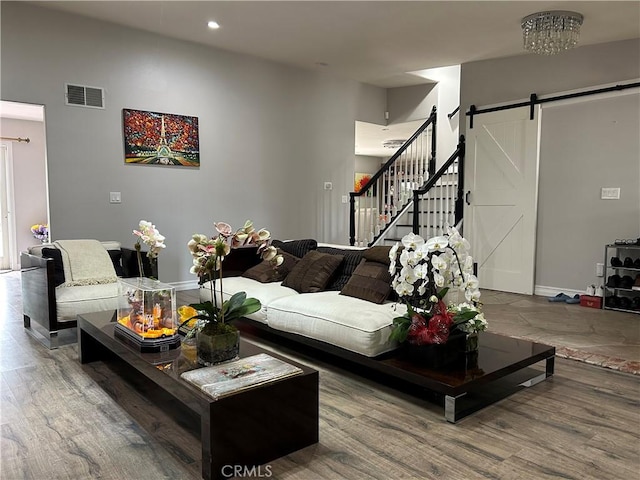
[499,369]
[246,429]
[479,379]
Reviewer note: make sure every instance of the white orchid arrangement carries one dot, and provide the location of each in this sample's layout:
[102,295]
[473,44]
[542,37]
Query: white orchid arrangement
[427,271]
[476,324]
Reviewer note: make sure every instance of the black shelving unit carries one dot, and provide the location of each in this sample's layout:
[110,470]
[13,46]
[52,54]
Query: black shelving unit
[620,295]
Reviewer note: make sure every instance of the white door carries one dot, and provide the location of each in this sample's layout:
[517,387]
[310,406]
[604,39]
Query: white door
[500,215]
[5,188]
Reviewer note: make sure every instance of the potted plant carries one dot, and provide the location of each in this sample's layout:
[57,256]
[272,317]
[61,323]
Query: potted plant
[434,332]
[216,339]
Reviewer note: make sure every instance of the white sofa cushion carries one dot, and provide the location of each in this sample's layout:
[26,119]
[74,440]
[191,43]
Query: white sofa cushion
[72,301]
[353,324]
[265,292]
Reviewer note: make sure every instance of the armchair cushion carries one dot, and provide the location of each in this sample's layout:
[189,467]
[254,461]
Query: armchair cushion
[86,298]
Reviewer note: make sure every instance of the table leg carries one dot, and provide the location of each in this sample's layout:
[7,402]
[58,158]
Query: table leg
[205,439]
[550,365]
[450,407]
[89,349]
[543,376]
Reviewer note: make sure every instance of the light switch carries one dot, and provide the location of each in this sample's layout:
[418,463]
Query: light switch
[610,193]
[328,186]
[114,197]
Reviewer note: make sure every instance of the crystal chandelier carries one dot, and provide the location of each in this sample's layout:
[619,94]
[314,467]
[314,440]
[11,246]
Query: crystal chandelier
[549,33]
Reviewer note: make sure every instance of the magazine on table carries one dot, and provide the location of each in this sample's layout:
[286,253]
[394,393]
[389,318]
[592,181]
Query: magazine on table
[230,377]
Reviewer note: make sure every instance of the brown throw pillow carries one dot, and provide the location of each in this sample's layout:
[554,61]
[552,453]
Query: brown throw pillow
[379,253]
[299,248]
[351,260]
[265,273]
[370,281]
[313,272]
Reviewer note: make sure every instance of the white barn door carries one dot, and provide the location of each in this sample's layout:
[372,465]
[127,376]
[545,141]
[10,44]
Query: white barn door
[500,215]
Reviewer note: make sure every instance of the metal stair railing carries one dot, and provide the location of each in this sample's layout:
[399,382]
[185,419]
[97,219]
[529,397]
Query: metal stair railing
[440,203]
[375,208]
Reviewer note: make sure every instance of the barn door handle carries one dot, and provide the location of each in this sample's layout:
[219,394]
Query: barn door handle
[466,197]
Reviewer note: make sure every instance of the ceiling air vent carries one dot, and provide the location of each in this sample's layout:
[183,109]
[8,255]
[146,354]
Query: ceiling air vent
[83,96]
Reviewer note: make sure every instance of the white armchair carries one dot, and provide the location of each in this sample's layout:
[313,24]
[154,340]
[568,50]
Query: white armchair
[71,277]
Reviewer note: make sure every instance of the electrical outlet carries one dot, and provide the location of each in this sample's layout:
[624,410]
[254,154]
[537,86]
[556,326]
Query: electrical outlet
[345,198]
[115,197]
[599,269]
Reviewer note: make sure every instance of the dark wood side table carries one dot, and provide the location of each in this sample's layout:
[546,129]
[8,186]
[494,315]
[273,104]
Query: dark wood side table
[246,429]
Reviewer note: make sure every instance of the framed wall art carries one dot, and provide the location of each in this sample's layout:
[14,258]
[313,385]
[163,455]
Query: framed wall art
[361,180]
[154,138]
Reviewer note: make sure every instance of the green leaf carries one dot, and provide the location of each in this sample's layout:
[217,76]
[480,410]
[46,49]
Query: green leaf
[442,293]
[465,315]
[400,328]
[205,307]
[249,306]
[235,302]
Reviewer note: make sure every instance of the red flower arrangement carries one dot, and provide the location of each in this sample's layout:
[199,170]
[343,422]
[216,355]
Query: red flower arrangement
[435,330]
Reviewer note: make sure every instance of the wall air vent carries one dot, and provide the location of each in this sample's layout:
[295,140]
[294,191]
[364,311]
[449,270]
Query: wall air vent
[83,96]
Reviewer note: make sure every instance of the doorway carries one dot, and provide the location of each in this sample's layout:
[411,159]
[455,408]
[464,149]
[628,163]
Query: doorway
[501,212]
[6,181]
[24,199]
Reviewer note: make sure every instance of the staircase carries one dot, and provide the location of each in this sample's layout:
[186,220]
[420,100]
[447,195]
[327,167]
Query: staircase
[408,195]
[436,211]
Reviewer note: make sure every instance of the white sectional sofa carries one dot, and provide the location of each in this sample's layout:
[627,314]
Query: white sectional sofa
[329,316]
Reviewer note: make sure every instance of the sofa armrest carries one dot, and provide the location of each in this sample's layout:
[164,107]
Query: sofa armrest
[130,264]
[38,291]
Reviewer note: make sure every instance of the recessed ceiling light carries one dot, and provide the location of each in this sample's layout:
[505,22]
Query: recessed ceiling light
[213,25]
[322,64]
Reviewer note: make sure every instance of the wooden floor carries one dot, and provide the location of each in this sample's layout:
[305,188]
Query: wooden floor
[61,420]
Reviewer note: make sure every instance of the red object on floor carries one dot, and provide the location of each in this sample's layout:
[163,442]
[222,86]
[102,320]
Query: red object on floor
[589,301]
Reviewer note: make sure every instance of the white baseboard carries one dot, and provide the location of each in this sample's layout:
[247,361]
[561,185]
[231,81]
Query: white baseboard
[544,291]
[188,285]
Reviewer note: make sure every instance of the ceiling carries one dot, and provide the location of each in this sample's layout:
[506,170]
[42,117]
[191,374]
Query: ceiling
[375,42]
[369,137]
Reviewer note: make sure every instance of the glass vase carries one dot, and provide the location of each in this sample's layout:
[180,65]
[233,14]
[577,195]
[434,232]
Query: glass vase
[472,342]
[217,348]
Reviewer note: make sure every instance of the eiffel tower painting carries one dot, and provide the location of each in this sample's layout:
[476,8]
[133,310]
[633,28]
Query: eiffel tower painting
[152,138]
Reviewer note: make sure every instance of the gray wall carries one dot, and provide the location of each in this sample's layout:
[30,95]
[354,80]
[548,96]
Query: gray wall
[594,150]
[270,135]
[582,149]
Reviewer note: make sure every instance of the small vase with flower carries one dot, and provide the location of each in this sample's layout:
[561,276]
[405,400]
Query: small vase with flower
[216,339]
